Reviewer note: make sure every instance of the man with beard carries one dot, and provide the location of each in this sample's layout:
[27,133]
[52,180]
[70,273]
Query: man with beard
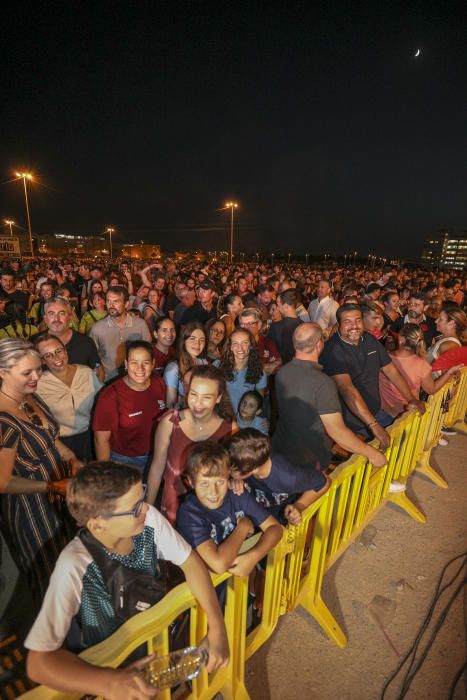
[81,350]
[110,334]
[416,314]
[204,308]
[354,359]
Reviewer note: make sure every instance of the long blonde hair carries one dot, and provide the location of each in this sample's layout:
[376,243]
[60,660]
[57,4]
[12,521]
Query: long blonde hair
[414,339]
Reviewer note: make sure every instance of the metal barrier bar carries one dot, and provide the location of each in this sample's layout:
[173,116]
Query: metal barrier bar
[296,566]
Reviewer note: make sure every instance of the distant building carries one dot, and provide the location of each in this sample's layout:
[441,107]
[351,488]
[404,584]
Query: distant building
[92,245]
[446,249]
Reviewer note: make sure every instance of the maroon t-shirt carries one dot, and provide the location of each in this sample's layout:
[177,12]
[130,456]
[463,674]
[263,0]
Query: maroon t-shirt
[161,359]
[268,351]
[130,415]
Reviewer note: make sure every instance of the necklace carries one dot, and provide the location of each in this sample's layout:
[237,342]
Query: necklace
[12,398]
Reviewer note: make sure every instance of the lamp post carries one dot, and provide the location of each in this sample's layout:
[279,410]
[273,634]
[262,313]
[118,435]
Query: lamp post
[10,223]
[354,256]
[289,254]
[231,206]
[306,259]
[272,259]
[110,231]
[24,177]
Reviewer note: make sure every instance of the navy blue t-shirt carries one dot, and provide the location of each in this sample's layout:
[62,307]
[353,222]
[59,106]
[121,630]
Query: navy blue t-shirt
[285,483]
[198,524]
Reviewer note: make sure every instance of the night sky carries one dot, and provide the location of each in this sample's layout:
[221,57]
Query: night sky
[315,117]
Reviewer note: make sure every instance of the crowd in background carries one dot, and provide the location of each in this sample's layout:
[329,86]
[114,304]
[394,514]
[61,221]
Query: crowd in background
[136,363]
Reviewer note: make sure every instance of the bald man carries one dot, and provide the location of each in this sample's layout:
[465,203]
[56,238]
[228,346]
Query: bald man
[310,410]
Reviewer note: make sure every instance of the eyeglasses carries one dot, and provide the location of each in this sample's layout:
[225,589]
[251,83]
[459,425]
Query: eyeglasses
[247,324]
[56,353]
[134,512]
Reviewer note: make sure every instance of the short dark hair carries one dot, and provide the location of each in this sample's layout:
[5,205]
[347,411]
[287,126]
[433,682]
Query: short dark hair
[248,450]
[119,289]
[254,395]
[97,486]
[290,297]
[346,307]
[207,456]
[419,296]
[10,272]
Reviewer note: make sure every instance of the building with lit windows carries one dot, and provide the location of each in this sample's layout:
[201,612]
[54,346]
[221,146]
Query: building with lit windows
[446,249]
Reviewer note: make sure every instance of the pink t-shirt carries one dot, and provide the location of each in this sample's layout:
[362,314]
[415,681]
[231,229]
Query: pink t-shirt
[413,369]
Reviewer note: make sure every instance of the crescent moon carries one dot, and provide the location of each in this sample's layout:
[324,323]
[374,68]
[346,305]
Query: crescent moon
[417,53]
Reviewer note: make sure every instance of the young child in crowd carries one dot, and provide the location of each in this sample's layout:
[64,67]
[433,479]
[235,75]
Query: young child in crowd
[284,489]
[249,412]
[216,521]
[108,499]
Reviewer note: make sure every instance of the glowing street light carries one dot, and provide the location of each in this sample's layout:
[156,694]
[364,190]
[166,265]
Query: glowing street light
[231,206]
[354,256]
[10,223]
[110,231]
[306,259]
[289,254]
[24,177]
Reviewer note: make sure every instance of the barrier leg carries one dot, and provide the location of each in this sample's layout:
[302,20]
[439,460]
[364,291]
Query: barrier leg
[319,610]
[404,502]
[424,467]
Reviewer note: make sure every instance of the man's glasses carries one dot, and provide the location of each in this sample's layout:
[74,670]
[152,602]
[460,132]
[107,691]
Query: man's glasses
[134,512]
[56,353]
[248,324]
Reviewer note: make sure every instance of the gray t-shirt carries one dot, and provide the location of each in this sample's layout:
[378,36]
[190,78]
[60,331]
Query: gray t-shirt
[304,393]
[110,340]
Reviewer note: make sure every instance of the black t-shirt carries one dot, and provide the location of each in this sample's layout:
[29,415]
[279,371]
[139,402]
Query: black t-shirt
[285,483]
[427,326]
[197,312]
[198,524]
[19,297]
[363,363]
[281,333]
[304,394]
[82,351]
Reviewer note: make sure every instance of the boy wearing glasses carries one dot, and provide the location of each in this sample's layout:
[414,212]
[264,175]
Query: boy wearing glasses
[108,500]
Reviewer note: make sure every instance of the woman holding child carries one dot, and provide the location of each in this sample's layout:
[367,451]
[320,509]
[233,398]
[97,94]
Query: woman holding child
[209,416]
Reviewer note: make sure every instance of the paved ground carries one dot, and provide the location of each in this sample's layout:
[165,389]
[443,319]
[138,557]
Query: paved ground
[300,662]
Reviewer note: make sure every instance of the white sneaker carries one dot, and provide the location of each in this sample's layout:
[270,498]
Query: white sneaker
[442,442]
[397,487]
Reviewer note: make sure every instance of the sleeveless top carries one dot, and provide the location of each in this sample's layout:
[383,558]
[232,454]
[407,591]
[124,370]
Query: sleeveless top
[175,466]
[434,353]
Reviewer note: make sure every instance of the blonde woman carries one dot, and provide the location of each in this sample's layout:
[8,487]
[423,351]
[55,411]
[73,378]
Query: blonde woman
[410,358]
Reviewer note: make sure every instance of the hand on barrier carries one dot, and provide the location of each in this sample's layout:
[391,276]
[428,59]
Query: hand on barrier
[382,435]
[129,683]
[217,646]
[378,459]
[243,565]
[419,406]
[455,371]
[293,514]
[58,487]
[237,486]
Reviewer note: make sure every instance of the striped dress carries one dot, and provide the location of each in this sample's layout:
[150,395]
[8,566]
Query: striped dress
[36,526]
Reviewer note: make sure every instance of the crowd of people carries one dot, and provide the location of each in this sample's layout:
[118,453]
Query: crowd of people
[223,395]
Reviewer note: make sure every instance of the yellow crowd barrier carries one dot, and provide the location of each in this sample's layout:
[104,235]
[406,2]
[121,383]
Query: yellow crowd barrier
[296,566]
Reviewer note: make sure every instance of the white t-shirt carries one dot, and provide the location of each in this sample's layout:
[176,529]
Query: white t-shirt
[77,588]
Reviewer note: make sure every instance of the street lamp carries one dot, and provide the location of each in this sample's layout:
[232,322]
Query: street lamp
[289,254]
[10,223]
[24,177]
[272,259]
[354,256]
[231,206]
[306,259]
[110,231]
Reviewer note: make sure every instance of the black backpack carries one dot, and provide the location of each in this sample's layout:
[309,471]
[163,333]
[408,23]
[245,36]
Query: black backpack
[131,591]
